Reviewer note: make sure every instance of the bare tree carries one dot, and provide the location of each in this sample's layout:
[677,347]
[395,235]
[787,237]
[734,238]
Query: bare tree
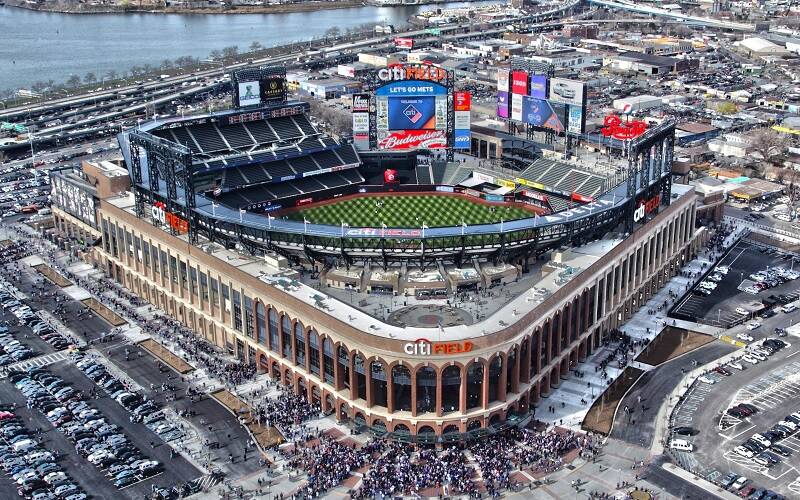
[256,46]
[90,77]
[768,143]
[73,81]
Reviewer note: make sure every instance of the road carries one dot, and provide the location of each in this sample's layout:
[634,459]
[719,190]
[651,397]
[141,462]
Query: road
[638,427]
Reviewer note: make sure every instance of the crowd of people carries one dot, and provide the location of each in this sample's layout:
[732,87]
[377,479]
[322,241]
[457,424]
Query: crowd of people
[394,468]
[399,471]
[329,462]
[286,412]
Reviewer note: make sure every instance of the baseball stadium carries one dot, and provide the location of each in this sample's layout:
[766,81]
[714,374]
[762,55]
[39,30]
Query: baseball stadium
[417,297]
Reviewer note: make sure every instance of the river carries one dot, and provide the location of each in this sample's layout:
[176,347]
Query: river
[42,46]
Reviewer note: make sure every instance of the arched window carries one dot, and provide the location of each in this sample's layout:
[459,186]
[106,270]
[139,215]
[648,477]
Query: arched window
[327,354]
[475,385]
[300,344]
[451,389]
[523,356]
[313,352]
[361,377]
[535,341]
[512,362]
[286,336]
[344,367]
[401,378]
[261,323]
[274,343]
[426,390]
[495,370]
[379,385]
[402,428]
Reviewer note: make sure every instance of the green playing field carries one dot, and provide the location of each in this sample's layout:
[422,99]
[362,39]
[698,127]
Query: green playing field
[408,211]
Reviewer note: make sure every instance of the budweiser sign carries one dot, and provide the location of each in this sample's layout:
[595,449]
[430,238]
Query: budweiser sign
[414,139]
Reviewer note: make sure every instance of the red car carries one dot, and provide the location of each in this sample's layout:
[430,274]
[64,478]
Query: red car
[722,371]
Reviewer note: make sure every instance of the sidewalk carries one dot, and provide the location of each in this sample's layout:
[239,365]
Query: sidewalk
[569,411]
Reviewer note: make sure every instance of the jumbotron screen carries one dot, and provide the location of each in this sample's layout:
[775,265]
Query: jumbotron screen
[412,113]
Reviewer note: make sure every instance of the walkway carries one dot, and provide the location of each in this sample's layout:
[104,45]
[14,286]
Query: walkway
[569,409]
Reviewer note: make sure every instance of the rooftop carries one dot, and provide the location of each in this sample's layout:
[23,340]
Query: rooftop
[503,307]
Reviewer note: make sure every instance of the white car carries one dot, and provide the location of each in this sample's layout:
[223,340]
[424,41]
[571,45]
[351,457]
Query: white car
[54,477]
[722,269]
[750,359]
[706,380]
[753,325]
[744,336]
[757,355]
[739,483]
[742,311]
[741,450]
[736,365]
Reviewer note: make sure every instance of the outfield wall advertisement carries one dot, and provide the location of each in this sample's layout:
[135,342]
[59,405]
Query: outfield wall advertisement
[502,104]
[543,114]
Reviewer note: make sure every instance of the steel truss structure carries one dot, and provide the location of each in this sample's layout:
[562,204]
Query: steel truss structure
[649,174]
[168,164]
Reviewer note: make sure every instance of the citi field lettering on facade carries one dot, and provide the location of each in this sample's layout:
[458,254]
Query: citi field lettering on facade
[412,72]
[424,347]
[645,207]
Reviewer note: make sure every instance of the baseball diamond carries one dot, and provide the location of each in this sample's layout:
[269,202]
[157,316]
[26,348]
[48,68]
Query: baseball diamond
[433,210]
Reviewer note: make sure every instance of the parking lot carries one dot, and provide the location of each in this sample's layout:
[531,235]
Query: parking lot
[743,260]
[772,387]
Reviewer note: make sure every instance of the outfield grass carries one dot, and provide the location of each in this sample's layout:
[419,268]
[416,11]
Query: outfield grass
[408,211]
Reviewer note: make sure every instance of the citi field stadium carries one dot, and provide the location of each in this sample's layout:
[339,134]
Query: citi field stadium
[397,289]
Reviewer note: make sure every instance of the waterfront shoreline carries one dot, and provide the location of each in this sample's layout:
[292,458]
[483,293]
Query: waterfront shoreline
[107,9]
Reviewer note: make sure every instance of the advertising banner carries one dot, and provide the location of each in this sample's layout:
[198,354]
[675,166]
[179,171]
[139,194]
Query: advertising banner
[481,177]
[412,113]
[581,198]
[526,182]
[412,139]
[404,43]
[445,189]
[472,192]
[462,139]
[346,70]
[249,94]
[502,80]
[538,88]
[462,120]
[360,123]
[519,82]
[540,113]
[566,91]
[575,122]
[273,88]
[516,107]
[493,198]
[411,88]
[360,102]
[462,101]
[534,195]
[382,113]
[506,184]
[502,104]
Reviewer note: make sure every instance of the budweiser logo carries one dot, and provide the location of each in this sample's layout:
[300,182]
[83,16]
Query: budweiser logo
[427,139]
